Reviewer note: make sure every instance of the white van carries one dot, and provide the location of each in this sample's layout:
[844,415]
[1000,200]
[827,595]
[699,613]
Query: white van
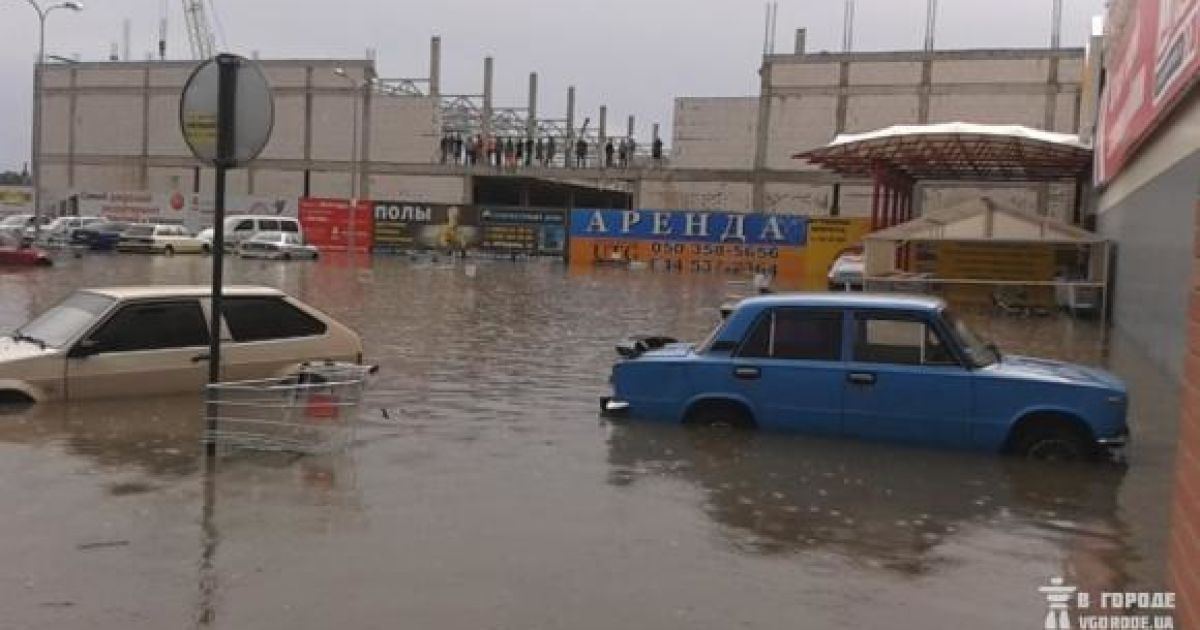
[242,227]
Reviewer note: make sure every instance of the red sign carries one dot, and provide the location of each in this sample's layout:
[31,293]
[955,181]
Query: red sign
[328,224]
[1155,55]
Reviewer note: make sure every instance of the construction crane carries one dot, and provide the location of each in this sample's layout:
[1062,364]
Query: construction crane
[199,33]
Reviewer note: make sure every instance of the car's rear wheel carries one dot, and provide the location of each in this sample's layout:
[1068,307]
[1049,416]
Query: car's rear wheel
[206,248]
[286,256]
[1057,443]
[720,414]
[169,250]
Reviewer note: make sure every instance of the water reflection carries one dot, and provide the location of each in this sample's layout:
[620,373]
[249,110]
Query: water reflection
[875,505]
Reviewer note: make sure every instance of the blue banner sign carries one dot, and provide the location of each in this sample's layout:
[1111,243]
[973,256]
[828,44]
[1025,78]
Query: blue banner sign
[690,226]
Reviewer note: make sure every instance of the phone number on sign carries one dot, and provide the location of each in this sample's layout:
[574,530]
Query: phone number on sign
[716,259]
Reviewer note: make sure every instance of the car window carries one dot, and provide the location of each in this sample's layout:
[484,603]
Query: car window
[153,326]
[140,230]
[268,225]
[289,226]
[246,225]
[898,340]
[793,333]
[263,318]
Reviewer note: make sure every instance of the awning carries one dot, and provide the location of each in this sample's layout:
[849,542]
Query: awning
[957,151]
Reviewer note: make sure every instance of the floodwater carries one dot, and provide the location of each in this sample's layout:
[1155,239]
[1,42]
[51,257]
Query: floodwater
[492,496]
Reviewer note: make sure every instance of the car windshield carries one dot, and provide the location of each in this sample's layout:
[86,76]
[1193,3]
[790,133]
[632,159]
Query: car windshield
[59,325]
[978,352]
[140,230]
[17,220]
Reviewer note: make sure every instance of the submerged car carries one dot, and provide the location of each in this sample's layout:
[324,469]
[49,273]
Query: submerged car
[14,252]
[277,246]
[160,239]
[100,237]
[880,367]
[152,340]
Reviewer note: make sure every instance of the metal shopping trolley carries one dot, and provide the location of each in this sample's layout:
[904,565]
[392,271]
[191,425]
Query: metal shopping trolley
[314,410]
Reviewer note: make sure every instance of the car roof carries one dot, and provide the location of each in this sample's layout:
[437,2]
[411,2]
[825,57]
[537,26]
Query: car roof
[848,300]
[159,291]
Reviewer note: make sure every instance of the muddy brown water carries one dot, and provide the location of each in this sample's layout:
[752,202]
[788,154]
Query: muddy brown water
[494,497]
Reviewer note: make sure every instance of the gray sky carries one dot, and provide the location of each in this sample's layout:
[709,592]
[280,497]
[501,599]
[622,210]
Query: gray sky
[635,56]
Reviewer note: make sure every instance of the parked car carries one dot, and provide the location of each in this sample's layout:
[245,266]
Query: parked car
[14,252]
[277,246]
[20,225]
[240,228]
[60,230]
[151,340]
[881,367]
[99,236]
[847,271]
[160,239]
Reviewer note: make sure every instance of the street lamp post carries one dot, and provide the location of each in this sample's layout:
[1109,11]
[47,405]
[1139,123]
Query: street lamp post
[35,151]
[359,88]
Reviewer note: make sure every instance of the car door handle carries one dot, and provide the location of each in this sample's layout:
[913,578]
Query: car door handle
[861,378]
[747,373]
[200,357]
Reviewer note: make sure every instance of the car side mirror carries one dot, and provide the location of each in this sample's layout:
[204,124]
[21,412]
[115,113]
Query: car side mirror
[84,349]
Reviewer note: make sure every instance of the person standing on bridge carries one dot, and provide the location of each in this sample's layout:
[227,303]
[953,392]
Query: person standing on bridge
[539,152]
[656,150]
[608,153]
[550,150]
[581,151]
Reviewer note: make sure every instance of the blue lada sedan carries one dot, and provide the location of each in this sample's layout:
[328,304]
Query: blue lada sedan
[879,367]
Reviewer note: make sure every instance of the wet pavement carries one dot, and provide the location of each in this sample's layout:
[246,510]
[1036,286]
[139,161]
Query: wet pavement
[492,496]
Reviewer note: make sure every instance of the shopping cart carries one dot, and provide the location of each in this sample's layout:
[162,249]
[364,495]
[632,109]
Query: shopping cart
[314,410]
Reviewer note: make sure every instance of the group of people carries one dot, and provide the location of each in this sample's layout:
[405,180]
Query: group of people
[516,151]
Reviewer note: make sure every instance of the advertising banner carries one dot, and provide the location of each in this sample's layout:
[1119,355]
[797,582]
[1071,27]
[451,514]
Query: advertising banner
[828,237]
[200,207]
[403,226]
[524,231]
[192,210]
[15,200]
[1155,59]
[703,242]
[328,224]
[137,207]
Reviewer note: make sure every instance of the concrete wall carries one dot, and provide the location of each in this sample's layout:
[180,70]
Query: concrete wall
[115,127]
[814,97]
[1149,210]
[419,188]
[714,132]
[673,195]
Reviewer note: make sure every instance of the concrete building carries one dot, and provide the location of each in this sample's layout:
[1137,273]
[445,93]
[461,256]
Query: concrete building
[808,98]
[113,126]
[1148,166]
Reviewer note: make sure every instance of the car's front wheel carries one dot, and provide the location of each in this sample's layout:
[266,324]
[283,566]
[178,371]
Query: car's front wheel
[1057,443]
[169,250]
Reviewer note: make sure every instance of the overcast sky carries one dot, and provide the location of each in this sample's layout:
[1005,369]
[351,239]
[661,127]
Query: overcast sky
[635,56]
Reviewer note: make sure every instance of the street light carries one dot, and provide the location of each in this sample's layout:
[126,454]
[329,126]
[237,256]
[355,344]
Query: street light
[359,88]
[35,152]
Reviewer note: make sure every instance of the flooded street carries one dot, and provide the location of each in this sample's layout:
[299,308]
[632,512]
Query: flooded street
[491,495]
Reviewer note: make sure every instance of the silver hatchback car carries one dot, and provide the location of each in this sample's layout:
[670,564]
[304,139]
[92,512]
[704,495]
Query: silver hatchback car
[153,340]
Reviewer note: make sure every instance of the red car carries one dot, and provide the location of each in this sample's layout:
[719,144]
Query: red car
[12,254]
